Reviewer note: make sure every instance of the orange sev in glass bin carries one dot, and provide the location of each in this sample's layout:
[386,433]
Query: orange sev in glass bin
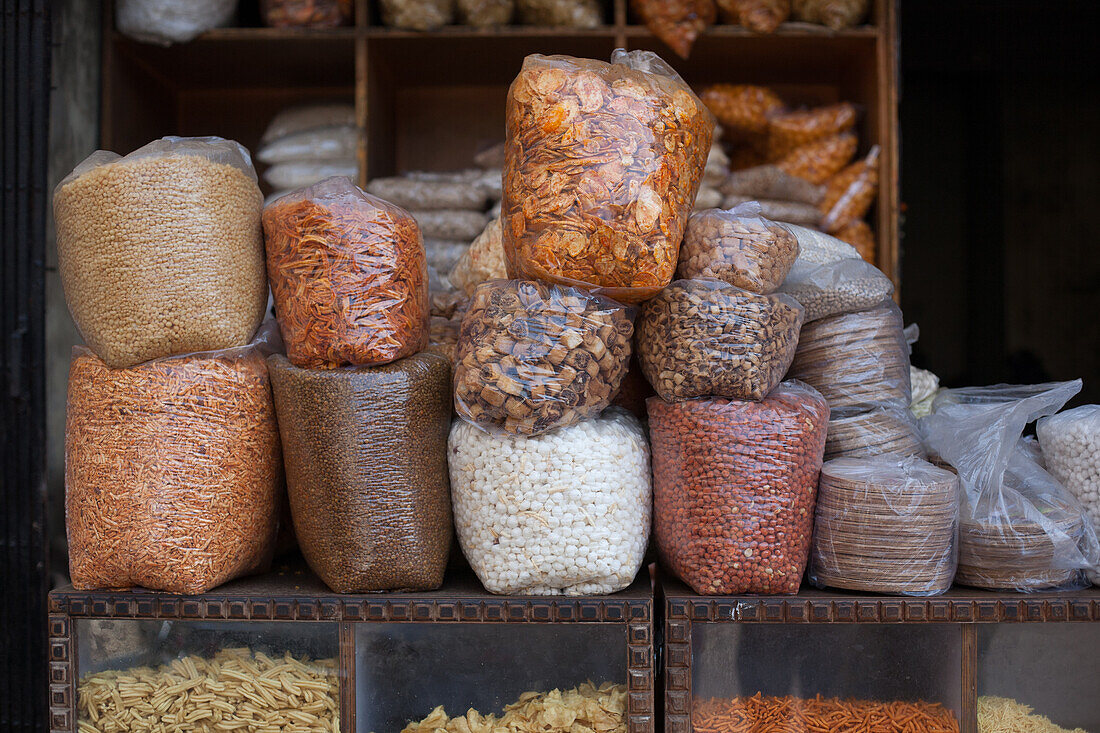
[602,165]
[349,277]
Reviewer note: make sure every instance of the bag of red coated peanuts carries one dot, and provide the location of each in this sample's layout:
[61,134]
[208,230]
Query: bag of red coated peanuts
[734,488]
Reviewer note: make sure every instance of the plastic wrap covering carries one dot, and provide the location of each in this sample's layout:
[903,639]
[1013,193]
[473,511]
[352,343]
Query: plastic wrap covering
[563,513]
[171,21]
[366,469]
[836,14]
[770,182]
[428,195]
[741,109]
[843,286]
[926,386]
[850,193]
[864,433]
[453,224]
[602,166]
[293,174]
[788,131]
[702,338]
[417,15]
[739,247]
[885,525]
[306,13]
[818,248]
[485,13]
[161,252]
[324,143]
[734,486]
[1070,443]
[560,13]
[676,22]
[484,260]
[173,474]
[857,361]
[707,198]
[534,357]
[1020,528]
[788,212]
[859,235]
[758,16]
[820,160]
[348,275]
[294,120]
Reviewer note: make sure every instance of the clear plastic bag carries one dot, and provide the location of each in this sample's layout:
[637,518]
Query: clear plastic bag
[1021,529]
[788,212]
[485,13]
[324,143]
[171,21]
[366,469]
[820,160]
[676,22]
[885,525]
[534,357]
[1070,442]
[741,109]
[701,338]
[843,286]
[734,485]
[863,433]
[858,361]
[294,120]
[453,224]
[444,254]
[299,173]
[173,472]
[835,14]
[818,248]
[850,193]
[758,16]
[306,13]
[563,513]
[417,15]
[739,247]
[160,252]
[707,198]
[427,195]
[602,167]
[349,277]
[788,131]
[718,164]
[560,13]
[859,235]
[770,182]
[484,260]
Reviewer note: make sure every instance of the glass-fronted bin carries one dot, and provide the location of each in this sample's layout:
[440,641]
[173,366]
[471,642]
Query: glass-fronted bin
[1033,675]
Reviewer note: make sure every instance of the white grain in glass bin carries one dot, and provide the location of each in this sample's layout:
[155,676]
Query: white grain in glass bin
[563,513]
[161,251]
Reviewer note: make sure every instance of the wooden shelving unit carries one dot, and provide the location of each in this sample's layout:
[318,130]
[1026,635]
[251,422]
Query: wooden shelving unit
[430,100]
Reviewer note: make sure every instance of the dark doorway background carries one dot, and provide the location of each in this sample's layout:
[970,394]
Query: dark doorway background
[1000,135]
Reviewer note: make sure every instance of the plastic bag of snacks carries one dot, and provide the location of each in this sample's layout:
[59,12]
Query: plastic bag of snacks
[739,247]
[422,195]
[293,120]
[321,144]
[702,338]
[734,485]
[173,473]
[885,525]
[563,513]
[770,182]
[485,13]
[788,131]
[453,224]
[758,16]
[820,160]
[348,275]
[741,109]
[836,14]
[1070,442]
[560,13]
[858,361]
[1020,528]
[676,22]
[850,193]
[366,469]
[843,286]
[161,251]
[818,248]
[417,15]
[707,198]
[602,165]
[294,174]
[861,433]
[484,260]
[171,21]
[788,212]
[306,13]
[858,234]
[533,357]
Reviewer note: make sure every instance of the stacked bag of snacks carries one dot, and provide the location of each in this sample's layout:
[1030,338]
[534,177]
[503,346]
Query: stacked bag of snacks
[173,473]
[423,15]
[306,144]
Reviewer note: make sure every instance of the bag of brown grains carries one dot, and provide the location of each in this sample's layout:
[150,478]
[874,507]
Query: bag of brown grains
[702,338]
[844,286]
[533,357]
[734,485]
[366,466]
[173,473]
[348,274]
[160,251]
[602,165]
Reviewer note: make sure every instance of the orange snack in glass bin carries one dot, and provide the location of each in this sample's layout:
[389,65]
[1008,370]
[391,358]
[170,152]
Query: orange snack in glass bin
[818,161]
[790,130]
[741,109]
[850,193]
[859,234]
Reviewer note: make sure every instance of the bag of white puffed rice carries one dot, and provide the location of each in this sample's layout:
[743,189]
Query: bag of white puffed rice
[1070,442]
[563,513]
